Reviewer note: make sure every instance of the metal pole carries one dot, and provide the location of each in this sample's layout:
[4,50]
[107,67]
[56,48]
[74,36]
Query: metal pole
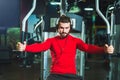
[108,35]
[82,54]
[23,38]
[104,18]
[26,18]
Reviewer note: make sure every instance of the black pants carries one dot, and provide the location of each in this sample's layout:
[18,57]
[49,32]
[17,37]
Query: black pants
[63,77]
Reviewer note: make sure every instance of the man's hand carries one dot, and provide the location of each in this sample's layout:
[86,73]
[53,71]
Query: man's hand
[21,47]
[108,49]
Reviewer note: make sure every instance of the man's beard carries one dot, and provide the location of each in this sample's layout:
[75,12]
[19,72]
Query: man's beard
[63,35]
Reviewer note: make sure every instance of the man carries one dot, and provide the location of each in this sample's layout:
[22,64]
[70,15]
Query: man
[63,50]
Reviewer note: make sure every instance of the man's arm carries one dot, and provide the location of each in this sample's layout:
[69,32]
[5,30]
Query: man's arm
[36,47]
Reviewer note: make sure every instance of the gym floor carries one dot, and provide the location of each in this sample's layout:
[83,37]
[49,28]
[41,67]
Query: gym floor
[95,70]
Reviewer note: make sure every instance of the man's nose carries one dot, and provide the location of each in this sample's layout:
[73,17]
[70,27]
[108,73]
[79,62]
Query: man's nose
[64,30]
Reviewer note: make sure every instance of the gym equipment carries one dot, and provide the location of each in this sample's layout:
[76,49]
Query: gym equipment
[113,32]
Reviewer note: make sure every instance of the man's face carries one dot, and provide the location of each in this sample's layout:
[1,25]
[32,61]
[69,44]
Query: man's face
[63,29]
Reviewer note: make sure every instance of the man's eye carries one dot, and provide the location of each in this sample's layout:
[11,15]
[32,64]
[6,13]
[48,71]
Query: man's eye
[67,28]
[61,27]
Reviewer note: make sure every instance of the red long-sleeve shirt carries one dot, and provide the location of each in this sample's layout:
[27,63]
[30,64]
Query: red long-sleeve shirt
[63,52]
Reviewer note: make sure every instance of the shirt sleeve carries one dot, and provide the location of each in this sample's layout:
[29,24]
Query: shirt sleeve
[38,47]
[89,48]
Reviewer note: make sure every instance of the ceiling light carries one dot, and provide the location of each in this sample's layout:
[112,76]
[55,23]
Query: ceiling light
[88,9]
[55,3]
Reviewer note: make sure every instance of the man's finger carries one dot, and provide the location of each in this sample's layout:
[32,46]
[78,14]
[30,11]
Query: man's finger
[106,45]
[18,43]
[24,42]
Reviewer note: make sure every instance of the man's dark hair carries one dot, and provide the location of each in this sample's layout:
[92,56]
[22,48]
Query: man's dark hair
[64,19]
